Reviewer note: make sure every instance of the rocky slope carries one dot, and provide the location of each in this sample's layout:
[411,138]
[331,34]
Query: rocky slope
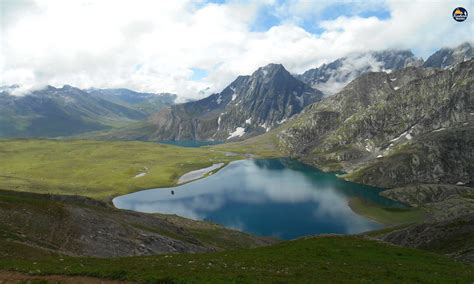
[453,237]
[411,125]
[440,201]
[449,228]
[249,106]
[446,57]
[332,77]
[80,226]
[52,112]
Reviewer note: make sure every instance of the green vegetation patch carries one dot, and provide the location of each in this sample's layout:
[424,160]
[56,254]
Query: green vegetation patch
[386,215]
[310,260]
[98,169]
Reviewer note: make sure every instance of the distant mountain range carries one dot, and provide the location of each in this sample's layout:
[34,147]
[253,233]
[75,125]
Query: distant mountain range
[53,112]
[331,78]
[249,106]
[255,104]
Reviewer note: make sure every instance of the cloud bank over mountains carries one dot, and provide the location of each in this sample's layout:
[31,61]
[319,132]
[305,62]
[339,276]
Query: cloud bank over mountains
[157,46]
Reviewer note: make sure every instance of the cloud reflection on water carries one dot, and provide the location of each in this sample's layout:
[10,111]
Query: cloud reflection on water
[245,191]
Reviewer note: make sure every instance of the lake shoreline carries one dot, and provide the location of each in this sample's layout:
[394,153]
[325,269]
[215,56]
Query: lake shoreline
[236,193]
[200,173]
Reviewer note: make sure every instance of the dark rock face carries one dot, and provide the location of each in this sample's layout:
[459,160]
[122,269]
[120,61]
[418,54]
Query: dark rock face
[412,125]
[446,57]
[331,78]
[248,106]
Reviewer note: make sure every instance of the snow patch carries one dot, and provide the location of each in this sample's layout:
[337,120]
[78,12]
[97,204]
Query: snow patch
[234,96]
[440,129]
[396,88]
[379,156]
[281,121]
[219,100]
[140,175]
[267,128]
[239,132]
[248,121]
[405,134]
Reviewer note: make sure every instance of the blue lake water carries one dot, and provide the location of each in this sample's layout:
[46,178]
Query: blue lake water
[270,197]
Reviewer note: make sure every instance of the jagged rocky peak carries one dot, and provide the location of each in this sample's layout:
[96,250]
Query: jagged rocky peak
[332,77]
[446,57]
[250,105]
[267,98]
[270,71]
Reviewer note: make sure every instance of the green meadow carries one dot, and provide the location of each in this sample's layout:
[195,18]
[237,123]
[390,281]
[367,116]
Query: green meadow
[346,259]
[97,169]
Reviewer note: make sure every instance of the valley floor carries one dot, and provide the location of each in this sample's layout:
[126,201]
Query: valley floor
[98,169]
[30,246]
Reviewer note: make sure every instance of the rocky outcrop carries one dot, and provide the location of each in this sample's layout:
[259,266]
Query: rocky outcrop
[412,125]
[422,194]
[453,237]
[440,201]
[449,224]
[438,157]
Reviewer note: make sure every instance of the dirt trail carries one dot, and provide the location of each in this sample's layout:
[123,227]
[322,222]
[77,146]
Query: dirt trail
[10,277]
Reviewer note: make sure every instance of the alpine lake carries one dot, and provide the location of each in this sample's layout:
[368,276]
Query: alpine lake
[282,198]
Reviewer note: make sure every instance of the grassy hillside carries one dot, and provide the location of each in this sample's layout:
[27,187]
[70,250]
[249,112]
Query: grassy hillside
[322,259]
[97,169]
[85,227]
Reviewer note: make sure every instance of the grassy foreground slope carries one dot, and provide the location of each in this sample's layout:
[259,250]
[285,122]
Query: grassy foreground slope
[322,259]
[79,226]
[97,169]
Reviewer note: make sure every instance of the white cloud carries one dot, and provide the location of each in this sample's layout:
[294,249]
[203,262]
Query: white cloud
[153,45]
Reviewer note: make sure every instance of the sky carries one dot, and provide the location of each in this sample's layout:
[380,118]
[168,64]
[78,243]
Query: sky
[184,47]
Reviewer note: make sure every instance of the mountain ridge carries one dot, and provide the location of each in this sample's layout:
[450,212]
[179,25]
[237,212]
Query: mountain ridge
[65,111]
[249,106]
[376,128]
